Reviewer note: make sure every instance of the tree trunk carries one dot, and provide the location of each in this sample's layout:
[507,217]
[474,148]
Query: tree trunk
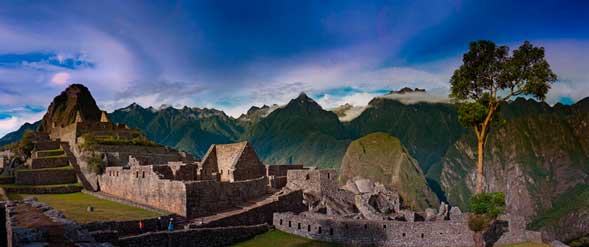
[479,182]
[479,241]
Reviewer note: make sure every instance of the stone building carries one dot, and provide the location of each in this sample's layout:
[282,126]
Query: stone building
[233,162]
[228,176]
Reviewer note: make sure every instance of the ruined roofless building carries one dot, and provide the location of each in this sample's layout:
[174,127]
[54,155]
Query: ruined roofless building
[228,176]
[232,162]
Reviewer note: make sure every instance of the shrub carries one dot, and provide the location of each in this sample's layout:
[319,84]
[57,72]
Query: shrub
[485,209]
[479,222]
[491,204]
[95,163]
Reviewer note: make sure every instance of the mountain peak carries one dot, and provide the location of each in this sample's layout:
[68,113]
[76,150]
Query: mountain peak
[75,100]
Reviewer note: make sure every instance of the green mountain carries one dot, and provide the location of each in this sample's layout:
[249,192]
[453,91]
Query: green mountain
[382,158]
[300,132]
[425,129]
[17,135]
[189,129]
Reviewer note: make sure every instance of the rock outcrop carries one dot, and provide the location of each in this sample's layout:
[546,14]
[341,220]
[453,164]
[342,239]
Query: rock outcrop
[74,102]
[381,158]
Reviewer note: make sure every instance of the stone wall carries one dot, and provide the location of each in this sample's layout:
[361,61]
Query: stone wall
[314,181]
[47,145]
[40,163]
[281,170]
[208,197]
[208,168]
[45,177]
[205,237]
[127,228]
[290,201]
[140,184]
[394,233]
[276,182]
[248,165]
[6,180]
[62,189]
[143,185]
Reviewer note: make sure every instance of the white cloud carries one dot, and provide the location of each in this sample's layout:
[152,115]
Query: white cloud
[60,78]
[19,117]
[417,97]
[8,124]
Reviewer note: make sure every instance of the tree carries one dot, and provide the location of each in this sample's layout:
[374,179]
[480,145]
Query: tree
[488,78]
[486,207]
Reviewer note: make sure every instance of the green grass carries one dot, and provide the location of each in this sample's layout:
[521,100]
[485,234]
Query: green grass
[74,206]
[51,150]
[65,167]
[278,238]
[37,186]
[526,244]
[54,156]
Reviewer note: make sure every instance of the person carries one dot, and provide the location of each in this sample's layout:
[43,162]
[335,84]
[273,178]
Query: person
[158,224]
[171,225]
[141,226]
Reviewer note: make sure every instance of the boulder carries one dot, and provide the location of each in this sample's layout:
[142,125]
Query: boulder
[456,214]
[443,211]
[430,214]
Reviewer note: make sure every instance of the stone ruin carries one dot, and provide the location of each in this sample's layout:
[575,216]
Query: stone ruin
[363,212]
[359,198]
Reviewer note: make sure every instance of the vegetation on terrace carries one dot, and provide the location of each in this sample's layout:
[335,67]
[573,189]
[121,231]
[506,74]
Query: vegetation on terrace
[74,206]
[91,140]
[38,186]
[65,167]
[278,238]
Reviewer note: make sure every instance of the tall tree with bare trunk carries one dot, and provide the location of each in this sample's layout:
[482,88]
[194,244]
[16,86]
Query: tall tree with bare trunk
[488,78]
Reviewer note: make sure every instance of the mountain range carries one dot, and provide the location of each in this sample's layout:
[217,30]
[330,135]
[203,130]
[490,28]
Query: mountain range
[540,155]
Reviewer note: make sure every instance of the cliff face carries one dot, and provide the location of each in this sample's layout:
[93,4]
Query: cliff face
[381,158]
[64,108]
[534,159]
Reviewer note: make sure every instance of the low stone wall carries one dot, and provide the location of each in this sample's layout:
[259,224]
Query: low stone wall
[47,153]
[393,233]
[202,237]
[62,189]
[277,182]
[281,170]
[127,228]
[45,177]
[6,180]
[291,201]
[47,145]
[208,197]
[40,163]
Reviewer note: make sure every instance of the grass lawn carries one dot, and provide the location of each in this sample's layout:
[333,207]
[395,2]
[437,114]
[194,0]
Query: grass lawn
[74,207]
[37,186]
[283,239]
[526,244]
[65,167]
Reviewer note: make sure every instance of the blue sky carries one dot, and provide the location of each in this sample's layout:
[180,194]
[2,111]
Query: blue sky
[234,54]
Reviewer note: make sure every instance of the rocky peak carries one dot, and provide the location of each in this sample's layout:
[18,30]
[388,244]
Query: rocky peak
[74,100]
[407,90]
[305,103]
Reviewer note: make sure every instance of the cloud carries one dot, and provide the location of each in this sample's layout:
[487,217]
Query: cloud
[417,97]
[17,116]
[60,78]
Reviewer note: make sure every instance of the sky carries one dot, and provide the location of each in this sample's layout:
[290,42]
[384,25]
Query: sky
[231,55]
